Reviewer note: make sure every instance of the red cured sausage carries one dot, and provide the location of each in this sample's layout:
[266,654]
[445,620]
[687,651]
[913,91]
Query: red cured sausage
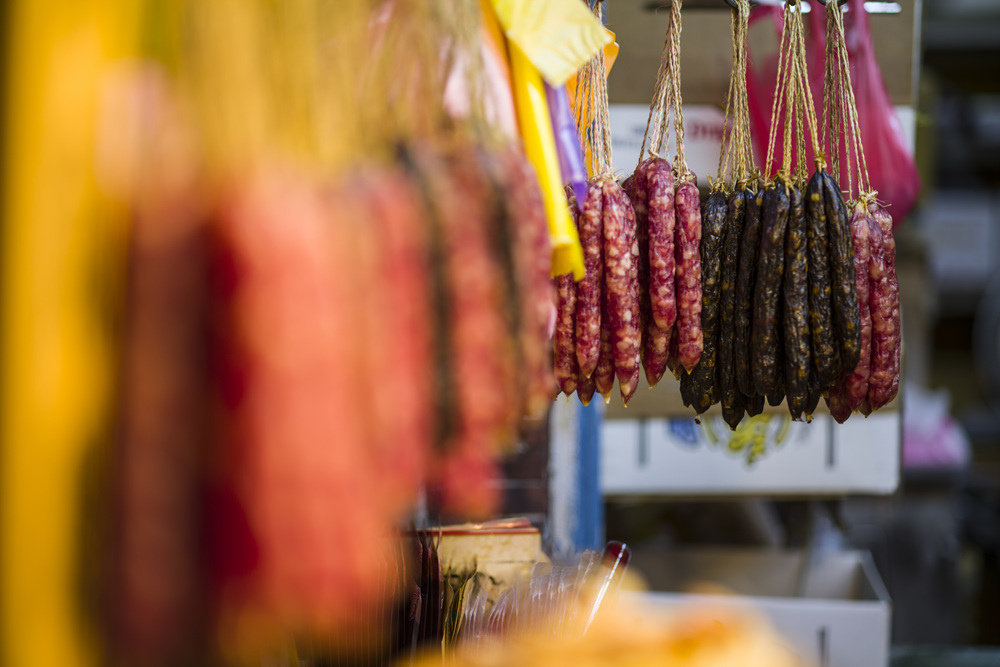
[656,351]
[886,332]
[620,281]
[566,367]
[836,400]
[533,257]
[588,292]
[604,374]
[663,301]
[628,388]
[855,385]
[585,388]
[690,340]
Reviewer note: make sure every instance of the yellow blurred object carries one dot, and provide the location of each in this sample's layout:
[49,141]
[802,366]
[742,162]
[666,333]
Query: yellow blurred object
[62,263]
[558,37]
[540,146]
[628,633]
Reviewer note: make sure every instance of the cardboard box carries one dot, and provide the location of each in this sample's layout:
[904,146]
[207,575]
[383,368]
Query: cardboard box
[832,609]
[677,457]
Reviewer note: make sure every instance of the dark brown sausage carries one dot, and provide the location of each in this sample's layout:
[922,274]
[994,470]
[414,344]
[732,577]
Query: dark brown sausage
[700,386]
[688,267]
[767,301]
[754,405]
[846,325]
[588,293]
[732,405]
[795,320]
[660,180]
[825,354]
[886,332]
[746,278]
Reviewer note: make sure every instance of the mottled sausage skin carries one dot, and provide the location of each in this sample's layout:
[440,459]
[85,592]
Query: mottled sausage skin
[732,404]
[656,352]
[585,388]
[636,188]
[534,261]
[854,386]
[588,292]
[566,368]
[628,388]
[699,388]
[795,320]
[886,331]
[663,302]
[604,374]
[620,281]
[844,292]
[746,278]
[767,301]
[688,269]
[825,354]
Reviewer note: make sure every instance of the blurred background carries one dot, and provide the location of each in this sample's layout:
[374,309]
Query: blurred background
[234,370]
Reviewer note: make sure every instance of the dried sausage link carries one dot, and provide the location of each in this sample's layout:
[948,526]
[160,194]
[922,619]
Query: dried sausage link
[767,293]
[746,277]
[620,281]
[700,386]
[604,374]
[688,268]
[732,405]
[534,260]
[660,180]
[886,332]
[836,401]
[585,388]
[566,368]
[846,324]
[656,352]
[588,293]
[825,354]
[854,386]
[754,405]
[628,388]
[795,319]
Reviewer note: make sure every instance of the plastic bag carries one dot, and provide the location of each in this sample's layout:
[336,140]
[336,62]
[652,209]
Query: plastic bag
[891,166]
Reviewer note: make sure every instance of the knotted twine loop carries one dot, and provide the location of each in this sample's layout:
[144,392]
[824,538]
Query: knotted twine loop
[735,154]
[793,100]
[681,170]
[667,100]
[843,130]
[592,115]
[660,92]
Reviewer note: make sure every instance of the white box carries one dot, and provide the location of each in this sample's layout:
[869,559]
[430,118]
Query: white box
[676,457]
[831,609]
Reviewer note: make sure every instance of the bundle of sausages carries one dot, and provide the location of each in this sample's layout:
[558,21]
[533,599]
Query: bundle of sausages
[597,335]
[874,382]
